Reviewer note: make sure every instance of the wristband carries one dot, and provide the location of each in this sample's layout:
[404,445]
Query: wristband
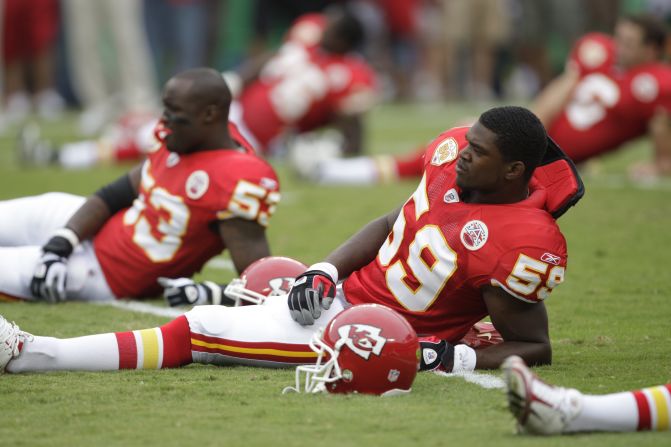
[69,235]
[215,292]
[465,359]
[327,268]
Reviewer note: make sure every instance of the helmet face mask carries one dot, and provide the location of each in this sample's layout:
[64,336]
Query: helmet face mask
[364,349]
[266,277]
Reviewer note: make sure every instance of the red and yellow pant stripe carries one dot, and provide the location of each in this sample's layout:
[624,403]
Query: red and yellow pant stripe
[654,408]
[262,351]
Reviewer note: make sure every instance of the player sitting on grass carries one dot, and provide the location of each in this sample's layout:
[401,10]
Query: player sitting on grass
[199,192]
[478,237]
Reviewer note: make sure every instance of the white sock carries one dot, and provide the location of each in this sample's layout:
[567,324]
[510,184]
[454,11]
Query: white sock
[79,155]
[347,171]
[610,412]
[91,353]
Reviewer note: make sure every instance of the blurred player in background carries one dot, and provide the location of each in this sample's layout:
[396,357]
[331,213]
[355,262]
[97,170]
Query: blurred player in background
[544,409]
[314,80]
[200,191]
[612,91]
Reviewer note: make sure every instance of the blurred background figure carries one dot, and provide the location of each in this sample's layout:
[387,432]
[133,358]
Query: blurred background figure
[29,32]
[475,31]
[107,85]
[180,33]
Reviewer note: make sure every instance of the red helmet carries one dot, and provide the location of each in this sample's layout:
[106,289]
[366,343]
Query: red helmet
[368,349]
[269,276]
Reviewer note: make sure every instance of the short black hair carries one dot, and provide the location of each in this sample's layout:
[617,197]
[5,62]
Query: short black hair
[654,30]
[347,26]
[520,135]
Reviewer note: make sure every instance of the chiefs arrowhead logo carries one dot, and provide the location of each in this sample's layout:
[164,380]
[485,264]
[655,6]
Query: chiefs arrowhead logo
[362,339]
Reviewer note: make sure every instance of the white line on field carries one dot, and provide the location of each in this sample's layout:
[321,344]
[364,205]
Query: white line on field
[487,381]
[136,306]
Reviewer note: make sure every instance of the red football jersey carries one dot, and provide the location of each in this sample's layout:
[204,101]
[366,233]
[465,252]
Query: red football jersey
[609,107]
[441,251]
[170,230]
[303,87]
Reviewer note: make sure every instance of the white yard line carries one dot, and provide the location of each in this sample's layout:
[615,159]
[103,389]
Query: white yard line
[136,306]
[488,381]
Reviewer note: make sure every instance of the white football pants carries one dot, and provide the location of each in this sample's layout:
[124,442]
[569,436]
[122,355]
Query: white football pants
[262,335]
[25,225]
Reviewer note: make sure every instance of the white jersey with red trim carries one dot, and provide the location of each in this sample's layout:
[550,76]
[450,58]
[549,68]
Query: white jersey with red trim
[442,251]
[170,230]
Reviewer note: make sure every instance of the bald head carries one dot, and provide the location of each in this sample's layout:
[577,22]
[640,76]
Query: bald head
[203,87]
[195,110]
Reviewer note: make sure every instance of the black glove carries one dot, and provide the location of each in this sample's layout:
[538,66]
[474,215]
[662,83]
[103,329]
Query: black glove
[185,291]
[312,291]
[50,277]
[436,355]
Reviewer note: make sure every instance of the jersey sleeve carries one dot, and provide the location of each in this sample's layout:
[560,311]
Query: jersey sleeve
[253,194]
[445,147]
[592,53]
[529,273]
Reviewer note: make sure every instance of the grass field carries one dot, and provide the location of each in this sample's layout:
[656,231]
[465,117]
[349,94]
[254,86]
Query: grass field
[609,324]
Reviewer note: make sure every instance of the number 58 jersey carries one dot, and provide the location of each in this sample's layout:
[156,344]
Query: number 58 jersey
[442,251]
[171,228]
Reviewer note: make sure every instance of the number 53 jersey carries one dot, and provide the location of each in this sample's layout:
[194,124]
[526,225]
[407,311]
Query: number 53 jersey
[442,251]
[171,228]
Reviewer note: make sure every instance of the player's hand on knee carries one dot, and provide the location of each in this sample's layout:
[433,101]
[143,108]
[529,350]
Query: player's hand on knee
[50,278]
[312,291]
[187,292]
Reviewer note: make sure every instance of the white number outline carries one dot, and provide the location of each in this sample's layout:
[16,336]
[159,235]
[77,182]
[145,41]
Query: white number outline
[166,246]
[592,97]
[525,278]
[246,202]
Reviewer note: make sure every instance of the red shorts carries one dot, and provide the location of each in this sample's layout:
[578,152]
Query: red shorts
[29,27]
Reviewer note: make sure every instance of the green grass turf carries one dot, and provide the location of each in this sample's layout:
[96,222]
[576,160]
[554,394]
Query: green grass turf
[609,325]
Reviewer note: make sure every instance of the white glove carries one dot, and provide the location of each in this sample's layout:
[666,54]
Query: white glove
[185,291]
[50,277]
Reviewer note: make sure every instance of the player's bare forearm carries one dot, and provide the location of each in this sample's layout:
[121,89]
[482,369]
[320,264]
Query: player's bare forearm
[361,249]
[550,102]
[523,326]
[532,353]
[245,240]
[93,214]
[89,218]
[660,132]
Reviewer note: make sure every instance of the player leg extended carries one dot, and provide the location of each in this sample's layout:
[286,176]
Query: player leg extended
[543,409]
[263,335]
[32,220]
